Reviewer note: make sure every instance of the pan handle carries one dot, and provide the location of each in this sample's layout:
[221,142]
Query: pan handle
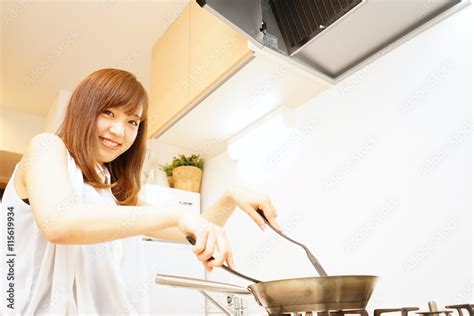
[255,296]
[192,241]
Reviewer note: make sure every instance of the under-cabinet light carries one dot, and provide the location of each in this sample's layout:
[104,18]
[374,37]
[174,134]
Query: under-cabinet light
[261,135]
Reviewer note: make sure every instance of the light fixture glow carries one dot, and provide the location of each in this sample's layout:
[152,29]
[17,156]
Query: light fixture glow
[260,136]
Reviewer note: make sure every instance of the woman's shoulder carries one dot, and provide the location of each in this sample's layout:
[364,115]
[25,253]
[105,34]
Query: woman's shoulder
[45,145]
[47,140]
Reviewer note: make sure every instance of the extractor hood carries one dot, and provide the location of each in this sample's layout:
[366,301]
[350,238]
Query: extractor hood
[331,38]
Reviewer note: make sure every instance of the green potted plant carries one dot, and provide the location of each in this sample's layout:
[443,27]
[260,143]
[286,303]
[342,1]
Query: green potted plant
[185,172]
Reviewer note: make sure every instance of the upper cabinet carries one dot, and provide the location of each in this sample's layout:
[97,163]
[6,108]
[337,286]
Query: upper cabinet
[194,56]
[216,51]
[170,73]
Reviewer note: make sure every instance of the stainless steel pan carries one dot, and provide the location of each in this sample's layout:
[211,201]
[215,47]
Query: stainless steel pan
[314,294]
[321,293]
[292,295]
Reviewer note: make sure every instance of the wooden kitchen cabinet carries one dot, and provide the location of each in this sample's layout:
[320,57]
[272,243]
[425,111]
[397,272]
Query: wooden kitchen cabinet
[194,56]
[217,51]
[169,73]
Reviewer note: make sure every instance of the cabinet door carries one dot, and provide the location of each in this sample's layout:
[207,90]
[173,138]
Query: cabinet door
[217,51]
[170,74]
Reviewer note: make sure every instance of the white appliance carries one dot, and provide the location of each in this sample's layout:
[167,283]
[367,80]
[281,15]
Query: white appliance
[172,258]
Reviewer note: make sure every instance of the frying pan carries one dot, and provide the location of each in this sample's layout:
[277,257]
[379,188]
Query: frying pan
[292,295]
[321,293]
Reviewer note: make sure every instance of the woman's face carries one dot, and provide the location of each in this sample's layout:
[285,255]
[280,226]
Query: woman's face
[117,131]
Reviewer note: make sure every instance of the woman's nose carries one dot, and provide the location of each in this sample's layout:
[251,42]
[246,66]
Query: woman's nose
[117,129]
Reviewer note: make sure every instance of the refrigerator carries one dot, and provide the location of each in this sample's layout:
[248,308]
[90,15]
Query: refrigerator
[172,258]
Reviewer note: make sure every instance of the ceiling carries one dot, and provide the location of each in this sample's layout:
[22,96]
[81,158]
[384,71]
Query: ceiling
[47,46]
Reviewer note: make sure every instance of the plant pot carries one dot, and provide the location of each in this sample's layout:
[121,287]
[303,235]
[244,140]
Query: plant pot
[170,181]
[187,178]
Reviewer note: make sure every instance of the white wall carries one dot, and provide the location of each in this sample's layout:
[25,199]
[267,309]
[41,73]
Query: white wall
[17,129]
[57,110]
[377,180]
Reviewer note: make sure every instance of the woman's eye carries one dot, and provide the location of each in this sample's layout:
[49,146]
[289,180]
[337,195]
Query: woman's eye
[107,112]
[134,123]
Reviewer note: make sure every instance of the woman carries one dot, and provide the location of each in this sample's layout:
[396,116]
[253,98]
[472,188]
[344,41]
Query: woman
[72,214]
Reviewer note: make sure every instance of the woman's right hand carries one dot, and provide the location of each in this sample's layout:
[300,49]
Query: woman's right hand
[211,240]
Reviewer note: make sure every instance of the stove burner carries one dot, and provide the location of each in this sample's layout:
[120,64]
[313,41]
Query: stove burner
[468,307]
[403,311]
[361,312]
[434,310]
[447,313]
[460,308]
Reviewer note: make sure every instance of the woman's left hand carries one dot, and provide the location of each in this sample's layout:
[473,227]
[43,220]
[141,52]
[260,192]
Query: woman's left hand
[249,202]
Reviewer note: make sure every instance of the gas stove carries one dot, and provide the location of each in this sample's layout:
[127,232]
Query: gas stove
[237,304]
[451,310]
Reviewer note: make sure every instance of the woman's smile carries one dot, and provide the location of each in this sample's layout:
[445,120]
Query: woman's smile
[109,144]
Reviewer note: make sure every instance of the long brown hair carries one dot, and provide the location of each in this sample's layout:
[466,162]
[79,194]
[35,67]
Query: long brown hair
[106,88]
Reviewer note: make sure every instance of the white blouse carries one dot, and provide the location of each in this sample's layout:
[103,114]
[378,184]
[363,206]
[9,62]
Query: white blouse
[39,277]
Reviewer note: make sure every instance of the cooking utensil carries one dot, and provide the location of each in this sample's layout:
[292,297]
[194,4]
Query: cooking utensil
[293,295]
[321,293]
[192,241]
[204,286]
[310,256]
[199,284]
[314,294]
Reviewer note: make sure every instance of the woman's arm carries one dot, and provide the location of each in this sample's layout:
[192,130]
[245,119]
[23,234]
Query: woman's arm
[222,209]
[61,219]
[218,214]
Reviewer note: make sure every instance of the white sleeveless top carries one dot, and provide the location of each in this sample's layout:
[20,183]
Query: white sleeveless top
[40,277]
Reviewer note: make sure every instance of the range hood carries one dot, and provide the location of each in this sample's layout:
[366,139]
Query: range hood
[331,38]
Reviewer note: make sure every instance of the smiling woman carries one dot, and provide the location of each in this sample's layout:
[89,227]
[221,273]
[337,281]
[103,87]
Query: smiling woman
[71,218]
[112,106]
